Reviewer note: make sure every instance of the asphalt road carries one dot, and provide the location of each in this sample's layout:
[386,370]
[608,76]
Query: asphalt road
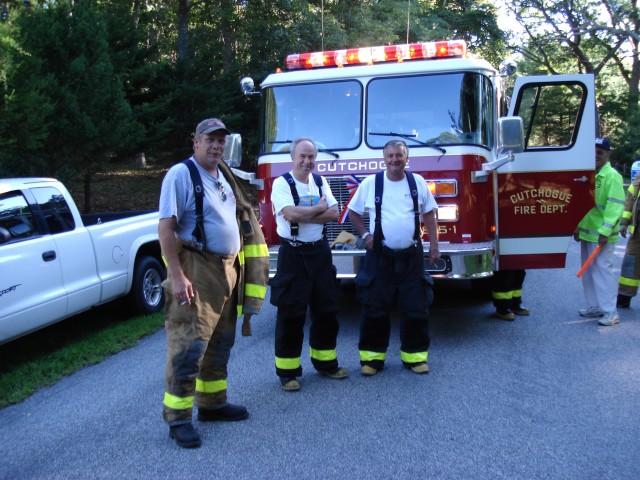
[550,396]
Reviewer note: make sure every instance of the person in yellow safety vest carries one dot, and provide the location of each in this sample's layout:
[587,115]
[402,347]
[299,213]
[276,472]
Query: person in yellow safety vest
[599,227]
[630,272]
[218,268]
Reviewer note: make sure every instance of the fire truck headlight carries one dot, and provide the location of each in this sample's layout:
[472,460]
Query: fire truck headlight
[448,213]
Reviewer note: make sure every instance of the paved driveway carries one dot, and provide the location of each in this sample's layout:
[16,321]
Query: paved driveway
[549,396]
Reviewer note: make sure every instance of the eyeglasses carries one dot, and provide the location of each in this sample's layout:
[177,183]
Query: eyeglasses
[220,187]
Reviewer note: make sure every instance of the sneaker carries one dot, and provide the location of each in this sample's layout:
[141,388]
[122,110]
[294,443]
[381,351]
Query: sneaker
[337,373]
[290,384]
[368,370]
[420,368]
[228,413]
[185,435]
[520,310]
[624,301]
[505,314]
[610,318]
[591,312]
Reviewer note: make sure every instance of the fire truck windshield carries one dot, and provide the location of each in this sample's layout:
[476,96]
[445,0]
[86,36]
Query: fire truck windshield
[329,112]
[437,109]
[447,109]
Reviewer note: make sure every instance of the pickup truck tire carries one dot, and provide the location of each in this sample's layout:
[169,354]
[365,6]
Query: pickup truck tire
[147,294]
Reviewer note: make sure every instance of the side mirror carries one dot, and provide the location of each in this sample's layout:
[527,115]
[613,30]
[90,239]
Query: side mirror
[510,135]
[233,150]
[247,86]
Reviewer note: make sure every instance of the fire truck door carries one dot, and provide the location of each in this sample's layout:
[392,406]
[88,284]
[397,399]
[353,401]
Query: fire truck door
[547,189]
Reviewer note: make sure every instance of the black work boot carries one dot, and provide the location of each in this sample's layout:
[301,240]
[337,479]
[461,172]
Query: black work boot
[623,301]
[185,435]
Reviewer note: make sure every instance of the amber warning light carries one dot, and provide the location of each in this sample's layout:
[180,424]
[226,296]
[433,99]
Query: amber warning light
[371,55]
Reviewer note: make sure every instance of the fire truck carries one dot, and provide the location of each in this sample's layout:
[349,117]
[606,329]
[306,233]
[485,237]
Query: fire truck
[512,177]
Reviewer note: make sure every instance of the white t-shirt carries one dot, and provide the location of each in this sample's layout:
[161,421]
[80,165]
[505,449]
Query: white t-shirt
[309,195]
[398,223]
[177,198]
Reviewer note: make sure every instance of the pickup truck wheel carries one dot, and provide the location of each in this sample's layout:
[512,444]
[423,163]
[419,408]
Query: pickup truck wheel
[147,294]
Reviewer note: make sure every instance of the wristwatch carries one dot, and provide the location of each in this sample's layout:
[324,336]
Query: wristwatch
[365,235]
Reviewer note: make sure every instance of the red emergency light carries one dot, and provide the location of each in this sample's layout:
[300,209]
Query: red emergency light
[371,55]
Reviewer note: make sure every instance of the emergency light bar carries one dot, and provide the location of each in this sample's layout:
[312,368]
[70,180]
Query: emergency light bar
[371,55]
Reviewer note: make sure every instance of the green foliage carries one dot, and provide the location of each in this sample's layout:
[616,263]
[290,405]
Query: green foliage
[40,360]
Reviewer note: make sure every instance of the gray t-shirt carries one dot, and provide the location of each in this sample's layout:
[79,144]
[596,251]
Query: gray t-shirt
[177,199]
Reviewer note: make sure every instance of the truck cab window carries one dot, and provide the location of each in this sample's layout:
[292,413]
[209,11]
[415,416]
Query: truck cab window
[445,109]
[550,114]
[55,209]
[327,112]
[16,218]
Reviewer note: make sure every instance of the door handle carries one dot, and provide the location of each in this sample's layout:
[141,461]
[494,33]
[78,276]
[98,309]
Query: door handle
[581,179]
[49,256]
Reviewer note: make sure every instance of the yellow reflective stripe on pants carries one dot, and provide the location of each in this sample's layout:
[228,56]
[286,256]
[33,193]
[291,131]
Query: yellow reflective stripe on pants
[323,355]
[177,403]
[367,356]
[629,281]
[414,357]
[213,386]
[254,290]
[287,363]
[503,295]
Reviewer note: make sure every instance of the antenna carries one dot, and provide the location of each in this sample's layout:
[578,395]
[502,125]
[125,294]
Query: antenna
[408,17]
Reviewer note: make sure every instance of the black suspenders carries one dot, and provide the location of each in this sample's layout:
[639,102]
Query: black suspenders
[295,228]
[378,236]
[198,190]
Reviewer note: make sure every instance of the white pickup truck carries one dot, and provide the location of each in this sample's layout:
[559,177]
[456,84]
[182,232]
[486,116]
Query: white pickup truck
[55,263]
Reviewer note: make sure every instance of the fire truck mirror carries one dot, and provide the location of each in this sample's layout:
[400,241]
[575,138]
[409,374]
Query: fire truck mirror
[233,150]
[510,135]
[247,86]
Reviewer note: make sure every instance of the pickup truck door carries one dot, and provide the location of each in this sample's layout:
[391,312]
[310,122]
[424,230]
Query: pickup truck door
[31,287]
[543,194]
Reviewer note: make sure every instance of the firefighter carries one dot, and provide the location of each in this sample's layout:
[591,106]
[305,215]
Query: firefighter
[599,227]
[393,268]
[506,291]
[218,265]
[305,276]
[630,271]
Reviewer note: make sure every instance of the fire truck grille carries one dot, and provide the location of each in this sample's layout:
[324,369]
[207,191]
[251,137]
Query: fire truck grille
[341,192]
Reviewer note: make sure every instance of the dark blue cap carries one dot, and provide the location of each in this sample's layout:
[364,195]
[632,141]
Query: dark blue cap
[603,143]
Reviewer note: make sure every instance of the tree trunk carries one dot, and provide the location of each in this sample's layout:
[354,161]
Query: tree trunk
[141,161]
[183,30]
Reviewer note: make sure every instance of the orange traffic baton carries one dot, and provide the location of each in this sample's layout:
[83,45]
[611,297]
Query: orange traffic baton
[588,262]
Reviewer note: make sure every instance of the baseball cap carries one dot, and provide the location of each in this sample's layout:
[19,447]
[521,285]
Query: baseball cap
[210,125]
[603,143]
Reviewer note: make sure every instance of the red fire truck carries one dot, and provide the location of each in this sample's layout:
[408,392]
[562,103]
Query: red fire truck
[511,179]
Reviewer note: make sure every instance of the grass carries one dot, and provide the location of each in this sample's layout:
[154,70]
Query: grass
[43,358]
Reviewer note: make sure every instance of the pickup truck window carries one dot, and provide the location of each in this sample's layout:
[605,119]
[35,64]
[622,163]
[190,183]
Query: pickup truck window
[16,218]
[55,209]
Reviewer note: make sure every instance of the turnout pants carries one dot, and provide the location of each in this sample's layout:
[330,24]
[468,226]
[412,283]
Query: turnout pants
[305,278]
[394,277]
[506,289]
[200,336]
[630,271]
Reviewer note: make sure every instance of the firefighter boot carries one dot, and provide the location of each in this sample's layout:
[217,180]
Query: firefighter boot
[623,301]
[185,435]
